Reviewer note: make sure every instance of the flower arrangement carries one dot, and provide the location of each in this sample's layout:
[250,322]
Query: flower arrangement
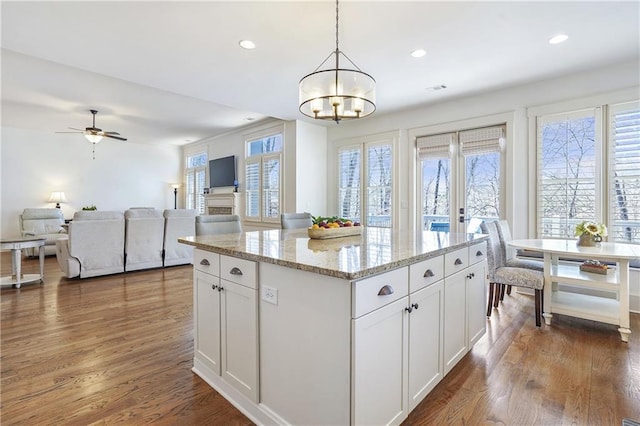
[596,230]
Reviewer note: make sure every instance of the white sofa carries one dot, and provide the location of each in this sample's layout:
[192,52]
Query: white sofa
[101,243]
[45,223]
[178,223]
[95,245]
[144,232]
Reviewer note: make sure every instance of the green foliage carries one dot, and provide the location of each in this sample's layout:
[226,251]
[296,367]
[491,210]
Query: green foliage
[91,207]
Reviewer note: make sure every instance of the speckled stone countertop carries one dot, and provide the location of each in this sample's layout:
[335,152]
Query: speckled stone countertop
[375,251]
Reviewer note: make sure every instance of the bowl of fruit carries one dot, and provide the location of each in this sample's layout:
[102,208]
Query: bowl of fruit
[333,227]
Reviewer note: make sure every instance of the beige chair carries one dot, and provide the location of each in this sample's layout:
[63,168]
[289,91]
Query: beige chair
[45,223]
[511,259]
[178,223]
[295,220]
[218,224]
[144,235]
[501,274]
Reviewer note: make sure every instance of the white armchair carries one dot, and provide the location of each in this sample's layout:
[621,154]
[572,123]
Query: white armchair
[95,245]
[45,223]
[178,223]
[218,224]
[144,231]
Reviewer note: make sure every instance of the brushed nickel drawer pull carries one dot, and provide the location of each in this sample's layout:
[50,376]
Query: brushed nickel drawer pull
[205,262]
[458,262]
[235,271]
[429,273]
[479,253]
[385,291]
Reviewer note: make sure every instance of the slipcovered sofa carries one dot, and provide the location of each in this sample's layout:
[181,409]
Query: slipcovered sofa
[45,223]
[101,243]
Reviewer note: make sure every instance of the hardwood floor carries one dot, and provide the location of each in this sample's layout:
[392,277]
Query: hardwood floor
[118,349]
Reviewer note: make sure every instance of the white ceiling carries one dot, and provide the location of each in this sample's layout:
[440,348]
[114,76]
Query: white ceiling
[171,72]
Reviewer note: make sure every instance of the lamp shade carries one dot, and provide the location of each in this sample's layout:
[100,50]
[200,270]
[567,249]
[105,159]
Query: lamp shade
[57,197]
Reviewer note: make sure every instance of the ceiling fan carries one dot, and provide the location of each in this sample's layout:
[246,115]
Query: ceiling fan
[94,134]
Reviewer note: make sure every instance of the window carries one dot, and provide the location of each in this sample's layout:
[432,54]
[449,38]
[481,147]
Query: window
[576,183]
[195,177]
[624,173]
[371,204]
[476,170]
[263,178]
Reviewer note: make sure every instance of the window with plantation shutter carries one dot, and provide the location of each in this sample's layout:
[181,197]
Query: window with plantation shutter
[365,183]
[263,174]
[349,170]
[195,178]
[567,165]
[624,173]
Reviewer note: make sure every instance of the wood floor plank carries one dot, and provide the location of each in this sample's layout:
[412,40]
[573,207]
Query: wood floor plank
[119,349]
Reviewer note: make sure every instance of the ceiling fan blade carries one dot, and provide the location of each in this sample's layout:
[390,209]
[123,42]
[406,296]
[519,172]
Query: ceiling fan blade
[110,133]
[71,132]
[114,137]
[73,128]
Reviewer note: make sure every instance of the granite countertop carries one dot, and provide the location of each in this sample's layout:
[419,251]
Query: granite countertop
[375,251]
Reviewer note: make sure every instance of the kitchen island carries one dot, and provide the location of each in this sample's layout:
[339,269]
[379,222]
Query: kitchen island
[352,330]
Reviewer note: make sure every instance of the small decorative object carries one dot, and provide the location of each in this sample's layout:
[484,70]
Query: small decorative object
[235,185]
[90,208]
[590,233]
[333,227]
[594,266]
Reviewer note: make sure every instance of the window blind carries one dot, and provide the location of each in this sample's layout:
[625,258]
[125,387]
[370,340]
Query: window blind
[624,172]
[349,172]
[252,188]
[435,146]
[481,141]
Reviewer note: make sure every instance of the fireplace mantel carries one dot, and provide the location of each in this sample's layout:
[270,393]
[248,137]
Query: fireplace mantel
[222,203]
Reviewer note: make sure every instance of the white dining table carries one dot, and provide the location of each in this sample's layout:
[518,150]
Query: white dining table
[608,300]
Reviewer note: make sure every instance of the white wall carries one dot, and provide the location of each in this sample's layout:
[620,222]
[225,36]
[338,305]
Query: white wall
[123,174]
[311,169]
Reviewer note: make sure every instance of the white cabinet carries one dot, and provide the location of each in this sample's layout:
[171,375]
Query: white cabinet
[476,303]
[380,366]
[455,319]
[425,341]
[225,320]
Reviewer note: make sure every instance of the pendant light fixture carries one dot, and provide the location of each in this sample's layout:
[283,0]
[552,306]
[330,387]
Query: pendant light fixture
[337,93]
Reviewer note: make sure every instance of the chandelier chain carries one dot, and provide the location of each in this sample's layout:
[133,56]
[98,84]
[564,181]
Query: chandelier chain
[337,17]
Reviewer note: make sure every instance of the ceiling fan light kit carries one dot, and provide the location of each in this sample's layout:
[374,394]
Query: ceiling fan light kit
[94,135]
[337,93]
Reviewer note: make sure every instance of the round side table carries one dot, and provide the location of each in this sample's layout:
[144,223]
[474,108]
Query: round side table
[16,245]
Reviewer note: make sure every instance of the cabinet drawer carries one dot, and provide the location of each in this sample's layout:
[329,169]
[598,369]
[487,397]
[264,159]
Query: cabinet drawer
[239,271]
[425,273]
[375,292]
[207,262]
[456,261]
[477,252]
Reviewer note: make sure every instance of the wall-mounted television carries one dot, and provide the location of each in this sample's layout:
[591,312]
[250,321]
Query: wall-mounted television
[222,172]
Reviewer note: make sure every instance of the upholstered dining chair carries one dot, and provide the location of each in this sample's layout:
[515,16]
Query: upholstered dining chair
[218,224]
[505,236]
[295,220]
[499,273]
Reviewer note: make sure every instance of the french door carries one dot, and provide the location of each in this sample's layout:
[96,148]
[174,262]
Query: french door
[460,175]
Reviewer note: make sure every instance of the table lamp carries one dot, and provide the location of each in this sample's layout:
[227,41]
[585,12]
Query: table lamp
[57,197]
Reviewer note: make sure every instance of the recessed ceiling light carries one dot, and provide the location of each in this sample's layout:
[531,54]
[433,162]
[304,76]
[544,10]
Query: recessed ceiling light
[247,44]
[418,53]
[437,87]
[558,39]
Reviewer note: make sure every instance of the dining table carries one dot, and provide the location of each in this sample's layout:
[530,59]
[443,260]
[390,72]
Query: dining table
[602,296]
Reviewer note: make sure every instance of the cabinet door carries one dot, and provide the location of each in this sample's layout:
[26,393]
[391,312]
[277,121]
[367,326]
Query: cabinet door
[476,302]
[455,319]
[207,320]
[379,367]
[239,338]
[425,341]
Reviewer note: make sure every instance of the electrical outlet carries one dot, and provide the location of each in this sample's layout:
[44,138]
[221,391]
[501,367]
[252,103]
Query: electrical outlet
[269,294]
